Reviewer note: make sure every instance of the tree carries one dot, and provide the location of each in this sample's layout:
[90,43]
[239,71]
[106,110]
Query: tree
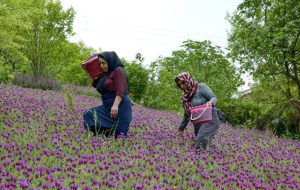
[205,62]
[50,25]
[12,26]
[137,78]
[265,41]
[66,65]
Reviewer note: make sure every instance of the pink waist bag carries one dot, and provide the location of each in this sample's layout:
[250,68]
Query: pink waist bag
[202,113]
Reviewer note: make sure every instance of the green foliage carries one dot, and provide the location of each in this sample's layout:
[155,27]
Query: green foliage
[31,33]
[205,62]
[263,110]
[275,106]
[137,79]
[69,99]
[241,112]
[5,73]
[34,41]
[66,65]
[12,27]
[50,26]
[162,92]
[265,41]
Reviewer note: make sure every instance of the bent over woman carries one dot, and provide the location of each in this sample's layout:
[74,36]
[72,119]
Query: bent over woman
[195,94]
[115,113]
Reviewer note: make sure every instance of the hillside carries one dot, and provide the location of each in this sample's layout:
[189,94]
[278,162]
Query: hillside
[43,145]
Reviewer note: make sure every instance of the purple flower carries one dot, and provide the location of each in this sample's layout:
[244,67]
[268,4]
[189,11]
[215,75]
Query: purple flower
[23,183]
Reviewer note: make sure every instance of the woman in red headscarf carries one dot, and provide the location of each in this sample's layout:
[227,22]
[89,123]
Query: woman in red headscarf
[194,94]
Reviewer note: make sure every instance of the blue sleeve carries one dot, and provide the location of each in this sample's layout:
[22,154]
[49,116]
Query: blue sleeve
[207,92]
[185,120]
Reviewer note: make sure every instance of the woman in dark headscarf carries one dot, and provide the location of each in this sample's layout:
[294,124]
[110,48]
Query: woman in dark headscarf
[115,114]
[197,94]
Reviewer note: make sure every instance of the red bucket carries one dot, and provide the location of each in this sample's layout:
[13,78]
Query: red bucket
[92,66]
[201,113]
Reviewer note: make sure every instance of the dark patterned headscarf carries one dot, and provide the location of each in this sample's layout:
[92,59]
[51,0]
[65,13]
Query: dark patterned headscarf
[192,86]
[113,62]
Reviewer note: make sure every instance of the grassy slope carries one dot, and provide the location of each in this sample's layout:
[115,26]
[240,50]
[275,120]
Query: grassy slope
[43,145]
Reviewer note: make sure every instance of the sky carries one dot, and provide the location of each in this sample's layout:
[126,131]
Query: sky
[153,28]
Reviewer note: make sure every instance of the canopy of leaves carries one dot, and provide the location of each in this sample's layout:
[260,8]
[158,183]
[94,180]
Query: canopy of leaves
[31,32]
[204,62]
[12,27]
[265,41]
[137,79]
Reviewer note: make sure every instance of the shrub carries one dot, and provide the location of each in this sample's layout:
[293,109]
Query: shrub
[137,80]
[44,83]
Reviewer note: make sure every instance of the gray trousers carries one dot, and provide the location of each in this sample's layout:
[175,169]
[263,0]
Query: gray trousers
[204,132]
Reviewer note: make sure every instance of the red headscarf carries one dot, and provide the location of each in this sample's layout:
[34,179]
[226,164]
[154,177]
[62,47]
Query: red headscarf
[192,88]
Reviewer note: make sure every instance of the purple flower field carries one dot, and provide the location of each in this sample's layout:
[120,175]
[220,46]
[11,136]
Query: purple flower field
[44,146]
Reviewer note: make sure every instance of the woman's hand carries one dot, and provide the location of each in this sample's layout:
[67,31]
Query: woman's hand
[114,111]
[115,108]
[180,131]
[209,102]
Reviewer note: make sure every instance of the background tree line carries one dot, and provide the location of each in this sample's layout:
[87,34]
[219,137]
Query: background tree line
[264,41]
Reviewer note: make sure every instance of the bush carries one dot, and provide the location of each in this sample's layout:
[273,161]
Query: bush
[5,74]
[137,80]
[28,81]
[241,112]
